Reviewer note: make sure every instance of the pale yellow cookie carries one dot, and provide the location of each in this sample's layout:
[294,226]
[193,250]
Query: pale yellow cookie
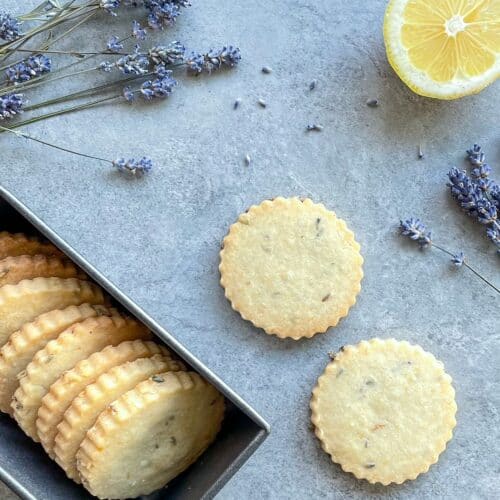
[22,303]
[150,435]
[62,392]
[22,345]
[291,267]
[26,267]
[87,406]
[73,345]
[384,410]
[20,244]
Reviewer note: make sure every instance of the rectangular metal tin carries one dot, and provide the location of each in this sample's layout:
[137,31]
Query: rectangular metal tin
[24,465]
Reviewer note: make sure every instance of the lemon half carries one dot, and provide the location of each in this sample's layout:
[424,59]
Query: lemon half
[444,48]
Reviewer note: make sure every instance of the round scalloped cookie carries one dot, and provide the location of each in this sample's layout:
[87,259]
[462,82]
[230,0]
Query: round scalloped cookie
[384,410]
[12,245]
[27,267]
[64,390]
[73,345]
[22,345]
[94,399]
[150,435]
[22,303]
[291,267]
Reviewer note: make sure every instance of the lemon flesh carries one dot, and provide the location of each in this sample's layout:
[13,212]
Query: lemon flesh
[444,48]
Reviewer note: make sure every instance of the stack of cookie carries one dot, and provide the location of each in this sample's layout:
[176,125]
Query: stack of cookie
[113,408]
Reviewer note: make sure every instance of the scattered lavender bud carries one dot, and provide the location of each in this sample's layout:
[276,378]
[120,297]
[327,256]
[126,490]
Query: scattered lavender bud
[262,103]
[314,127]
[248,160]
[30,68]
[11,105]
[114,44]
[133,167]
[458,259]
[372,103]
[9,27]
[313,84]
[173,52]
[415,230]
[109,6]
[420,152]
[138,31]
[160,88]
[237,103]
[267,70]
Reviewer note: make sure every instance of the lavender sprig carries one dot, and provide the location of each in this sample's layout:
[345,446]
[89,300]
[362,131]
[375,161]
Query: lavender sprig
[28,69]
[9,27]
[417,231]
[11,105]
[213,60]
[135,168]
[477,194]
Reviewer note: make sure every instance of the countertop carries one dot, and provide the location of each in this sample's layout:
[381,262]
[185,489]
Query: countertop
[158,238]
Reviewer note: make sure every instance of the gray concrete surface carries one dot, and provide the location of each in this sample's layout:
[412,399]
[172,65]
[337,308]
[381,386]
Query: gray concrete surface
[158,239]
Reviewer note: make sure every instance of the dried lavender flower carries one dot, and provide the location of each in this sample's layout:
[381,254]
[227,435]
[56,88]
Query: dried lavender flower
[477,194]
[160,88]
[169,54]
[128,94]
[9,27]
[106,66]
[415,230]
[138,31]
[458,259]
[213,60]
[29,68]
[11,105]
[475,155]
[109,5]
[133,167]
[135,63]
[114,44]
[162,14]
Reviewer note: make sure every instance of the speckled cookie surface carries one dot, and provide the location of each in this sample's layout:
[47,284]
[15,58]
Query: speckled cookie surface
[384,410]
[150,435]
[291,267]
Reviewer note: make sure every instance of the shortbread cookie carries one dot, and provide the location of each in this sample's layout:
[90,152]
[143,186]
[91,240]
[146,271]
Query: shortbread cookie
[73,345]
[22,345]
[20,244]
[291,267]
[150,435]
[22,303]
[86,408]
[26,267]
[384,410]
[86,372]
